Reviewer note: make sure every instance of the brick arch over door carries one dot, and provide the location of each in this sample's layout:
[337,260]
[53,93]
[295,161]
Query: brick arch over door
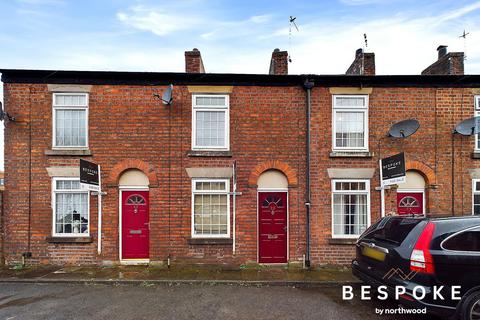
[423,169]
[127,164]
[273,164]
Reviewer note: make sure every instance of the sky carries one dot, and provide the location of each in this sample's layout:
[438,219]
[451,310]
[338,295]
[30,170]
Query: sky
[234,36]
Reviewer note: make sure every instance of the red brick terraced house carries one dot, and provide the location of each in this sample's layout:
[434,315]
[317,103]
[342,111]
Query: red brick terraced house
[305,149]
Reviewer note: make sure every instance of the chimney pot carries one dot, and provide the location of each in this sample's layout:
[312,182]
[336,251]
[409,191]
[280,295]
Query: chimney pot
[358,51]
[442,51]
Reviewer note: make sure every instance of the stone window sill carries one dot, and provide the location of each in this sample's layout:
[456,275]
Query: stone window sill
[342,241]
[52,239]
[351,154]
[476,155]
[208,241]
[209,153]
[68,152]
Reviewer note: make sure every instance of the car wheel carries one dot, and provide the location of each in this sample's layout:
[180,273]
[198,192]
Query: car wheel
[471,307]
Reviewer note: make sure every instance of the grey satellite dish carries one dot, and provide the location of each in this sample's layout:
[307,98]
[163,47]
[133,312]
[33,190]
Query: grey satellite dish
[4,116]
[167,95]
[404,128]
[468,127]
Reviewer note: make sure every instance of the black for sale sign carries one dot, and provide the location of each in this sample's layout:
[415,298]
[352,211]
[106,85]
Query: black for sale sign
[89,175]
[393,169]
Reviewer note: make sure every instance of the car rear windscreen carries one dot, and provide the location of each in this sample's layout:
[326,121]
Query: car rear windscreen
[393,230]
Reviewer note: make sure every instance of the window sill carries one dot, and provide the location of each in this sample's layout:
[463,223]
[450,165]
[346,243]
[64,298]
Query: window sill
[53,239]
[351,154]
[476,154]
[209,153]
[68,152]
[208,241]
[342,241]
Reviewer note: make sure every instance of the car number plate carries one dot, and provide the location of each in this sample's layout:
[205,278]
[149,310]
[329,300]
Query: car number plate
[373,253]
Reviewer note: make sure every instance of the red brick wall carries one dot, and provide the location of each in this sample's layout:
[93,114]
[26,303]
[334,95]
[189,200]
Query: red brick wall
[267,125]
[438,111]
[127,122]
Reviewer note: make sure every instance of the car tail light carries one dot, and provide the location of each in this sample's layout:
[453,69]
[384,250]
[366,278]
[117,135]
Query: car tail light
[421,258]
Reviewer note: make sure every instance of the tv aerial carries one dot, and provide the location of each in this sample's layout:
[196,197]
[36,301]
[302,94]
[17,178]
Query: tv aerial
[166,97]
[4,116]
[468,127]
[292,23]
[464,36]
[404,128]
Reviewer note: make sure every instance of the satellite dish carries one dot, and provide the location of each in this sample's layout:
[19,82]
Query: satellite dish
[5,116]
[404,128]
[468,127]
[167,95]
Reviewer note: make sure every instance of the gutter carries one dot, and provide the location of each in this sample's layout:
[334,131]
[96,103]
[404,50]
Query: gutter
[308,85]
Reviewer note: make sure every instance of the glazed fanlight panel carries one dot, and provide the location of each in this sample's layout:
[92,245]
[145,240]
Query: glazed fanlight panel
[273,203]
[136,200]
[409,202]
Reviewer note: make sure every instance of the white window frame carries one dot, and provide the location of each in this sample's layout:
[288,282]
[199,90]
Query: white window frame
[360,192]
[222,192]
[196,108]
[56,107]
[477,114]
[363,109]
[474,192]
[54,207]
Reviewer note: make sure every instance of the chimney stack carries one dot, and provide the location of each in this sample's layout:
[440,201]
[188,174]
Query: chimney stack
[448,63]
[279,62]
[193,62]
[364,64]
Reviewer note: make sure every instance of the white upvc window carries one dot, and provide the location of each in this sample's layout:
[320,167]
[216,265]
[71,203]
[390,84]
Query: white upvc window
[476,196]
[70,120]
[350,122]
[71,208]
[210,122]
[350,208]
[210,208]
[477,114]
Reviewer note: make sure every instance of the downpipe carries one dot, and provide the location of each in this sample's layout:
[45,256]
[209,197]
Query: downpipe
[308,85]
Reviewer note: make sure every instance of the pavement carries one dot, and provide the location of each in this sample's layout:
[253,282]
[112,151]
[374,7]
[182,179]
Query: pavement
[180,274]
[185,292]
[183,301]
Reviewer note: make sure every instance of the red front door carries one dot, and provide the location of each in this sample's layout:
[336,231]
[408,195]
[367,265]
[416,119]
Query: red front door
[135,227]
[410,202]
[272,227]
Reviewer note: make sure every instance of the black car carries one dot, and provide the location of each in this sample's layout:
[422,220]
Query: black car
[439,257]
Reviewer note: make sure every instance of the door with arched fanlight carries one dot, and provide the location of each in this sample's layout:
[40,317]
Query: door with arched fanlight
[272,217]
[411,195]
[134,217]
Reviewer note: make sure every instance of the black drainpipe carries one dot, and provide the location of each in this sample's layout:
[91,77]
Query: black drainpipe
[308,85]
